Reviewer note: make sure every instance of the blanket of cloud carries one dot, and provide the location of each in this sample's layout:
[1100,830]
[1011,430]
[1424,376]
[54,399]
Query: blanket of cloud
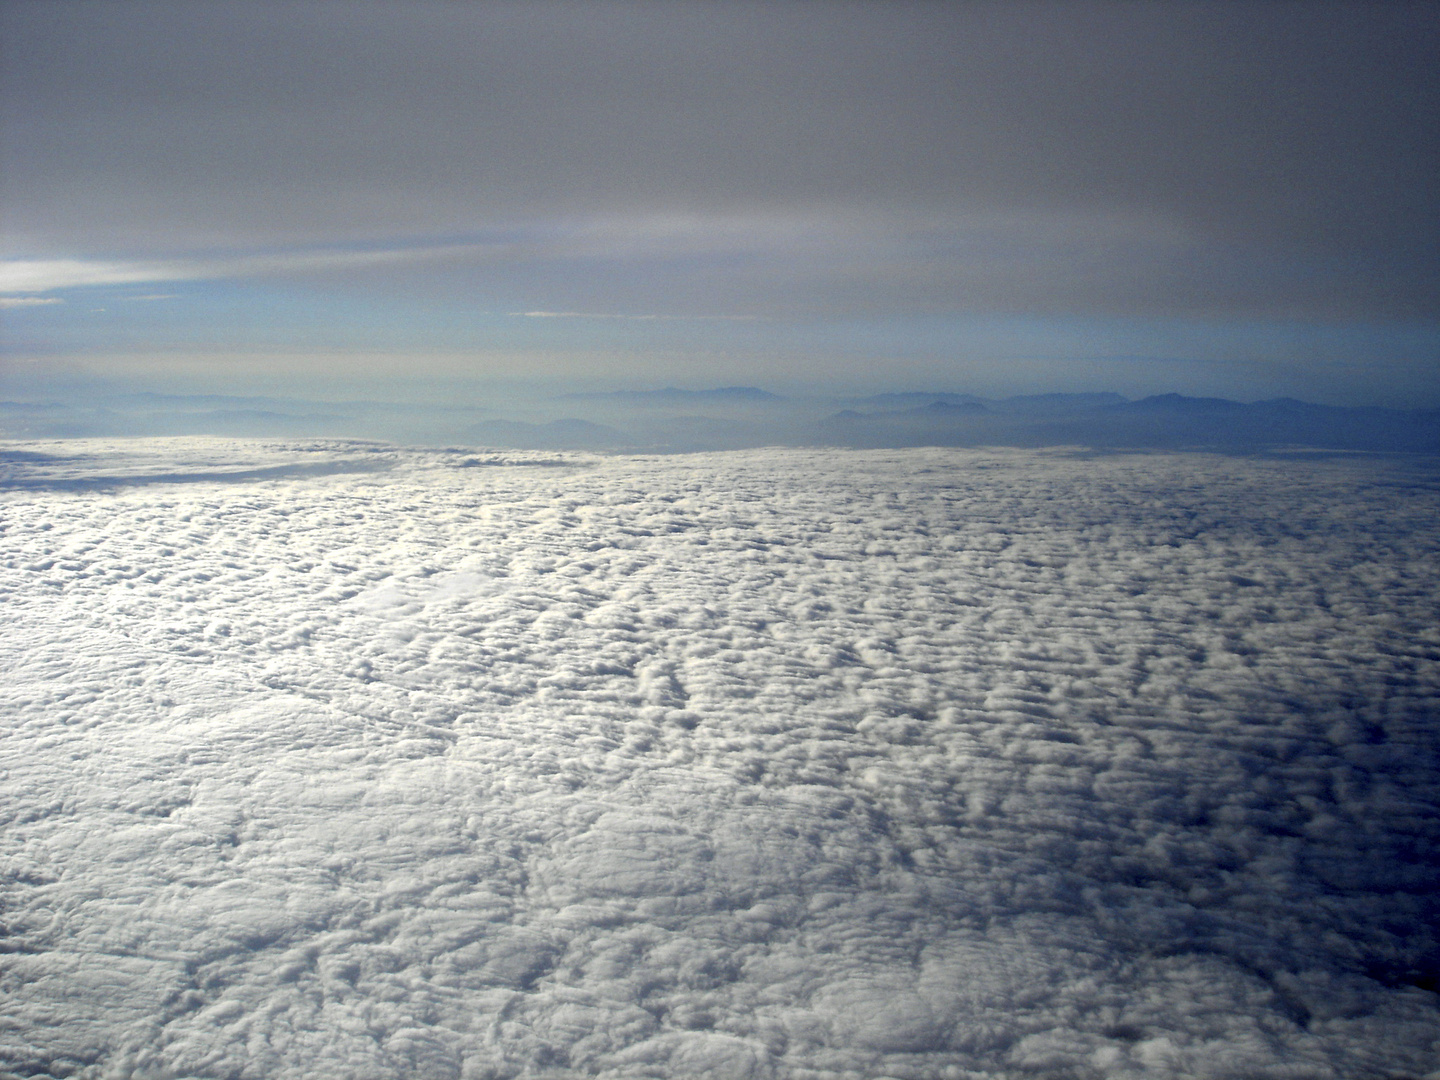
[333,759]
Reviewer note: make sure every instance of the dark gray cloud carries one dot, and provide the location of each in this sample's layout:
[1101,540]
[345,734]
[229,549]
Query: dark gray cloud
[1277,158]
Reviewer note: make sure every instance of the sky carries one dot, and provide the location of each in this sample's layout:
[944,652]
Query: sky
[1227,199]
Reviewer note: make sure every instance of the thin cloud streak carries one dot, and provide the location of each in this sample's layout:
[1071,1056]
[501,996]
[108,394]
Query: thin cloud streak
[48,275]
[638,318]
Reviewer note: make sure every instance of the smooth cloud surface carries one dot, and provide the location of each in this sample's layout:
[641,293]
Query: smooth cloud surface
[336,759]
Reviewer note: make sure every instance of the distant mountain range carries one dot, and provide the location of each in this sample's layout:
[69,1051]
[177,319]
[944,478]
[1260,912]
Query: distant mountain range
[1025,403]
[672,396]
[731,417]
[1164,421]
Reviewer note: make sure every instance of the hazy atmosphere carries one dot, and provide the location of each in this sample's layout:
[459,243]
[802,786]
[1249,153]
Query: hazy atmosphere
[342,200]
[719,541]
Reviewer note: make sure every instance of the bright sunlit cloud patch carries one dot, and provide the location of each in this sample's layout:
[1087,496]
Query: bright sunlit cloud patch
[331,758]
[45,275]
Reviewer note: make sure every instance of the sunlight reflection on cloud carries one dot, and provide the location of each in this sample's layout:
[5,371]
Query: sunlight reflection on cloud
[911,763]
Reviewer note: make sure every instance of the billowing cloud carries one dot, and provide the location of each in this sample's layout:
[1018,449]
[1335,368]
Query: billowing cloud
[332,758]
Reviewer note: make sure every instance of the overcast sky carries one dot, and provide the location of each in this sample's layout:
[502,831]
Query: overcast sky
[1235,199]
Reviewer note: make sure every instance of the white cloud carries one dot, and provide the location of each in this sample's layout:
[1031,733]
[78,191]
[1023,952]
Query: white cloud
[763,764]
[580,315]
[46,275]
[642,318]
[28,301]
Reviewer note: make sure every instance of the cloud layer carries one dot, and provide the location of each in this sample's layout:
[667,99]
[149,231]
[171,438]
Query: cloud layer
[917,763]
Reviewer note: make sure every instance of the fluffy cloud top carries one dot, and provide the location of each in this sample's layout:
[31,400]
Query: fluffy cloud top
[916,763]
